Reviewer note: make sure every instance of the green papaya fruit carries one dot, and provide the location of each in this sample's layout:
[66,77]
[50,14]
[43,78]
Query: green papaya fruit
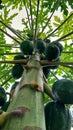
[3,96]
[59,45]
[63,91]
[17,71]
[46,71]
[54,66]
[5,106]
[26,47]
[40,45]
[57,116]
[19,57]
[52,52]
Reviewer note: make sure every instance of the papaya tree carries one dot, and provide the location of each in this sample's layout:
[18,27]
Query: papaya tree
[36,65]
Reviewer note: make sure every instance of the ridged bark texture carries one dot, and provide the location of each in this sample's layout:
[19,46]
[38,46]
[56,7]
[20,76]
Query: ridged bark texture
[30,99]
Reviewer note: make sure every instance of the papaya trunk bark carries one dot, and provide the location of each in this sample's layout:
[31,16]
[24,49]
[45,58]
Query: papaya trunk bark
[29,97]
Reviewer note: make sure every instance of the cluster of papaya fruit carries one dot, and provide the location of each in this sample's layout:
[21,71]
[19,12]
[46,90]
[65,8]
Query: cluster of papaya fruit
[17,69]
[57,114]
[4,101]
[52,53]
[3,98]
[26,48]
[48,51]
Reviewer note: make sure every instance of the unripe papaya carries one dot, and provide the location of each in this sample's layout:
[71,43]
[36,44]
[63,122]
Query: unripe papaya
[63,91]
[52,52]
[17,71]
[26,47]
[40,45]
[59,45]
[46,71]
[54,66]
[19,57]
[57,116]
[5,106]
[3,96]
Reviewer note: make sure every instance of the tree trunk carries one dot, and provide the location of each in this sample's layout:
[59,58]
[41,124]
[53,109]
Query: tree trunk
[28,100]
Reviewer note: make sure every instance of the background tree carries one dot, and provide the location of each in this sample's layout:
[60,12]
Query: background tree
[40,22]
